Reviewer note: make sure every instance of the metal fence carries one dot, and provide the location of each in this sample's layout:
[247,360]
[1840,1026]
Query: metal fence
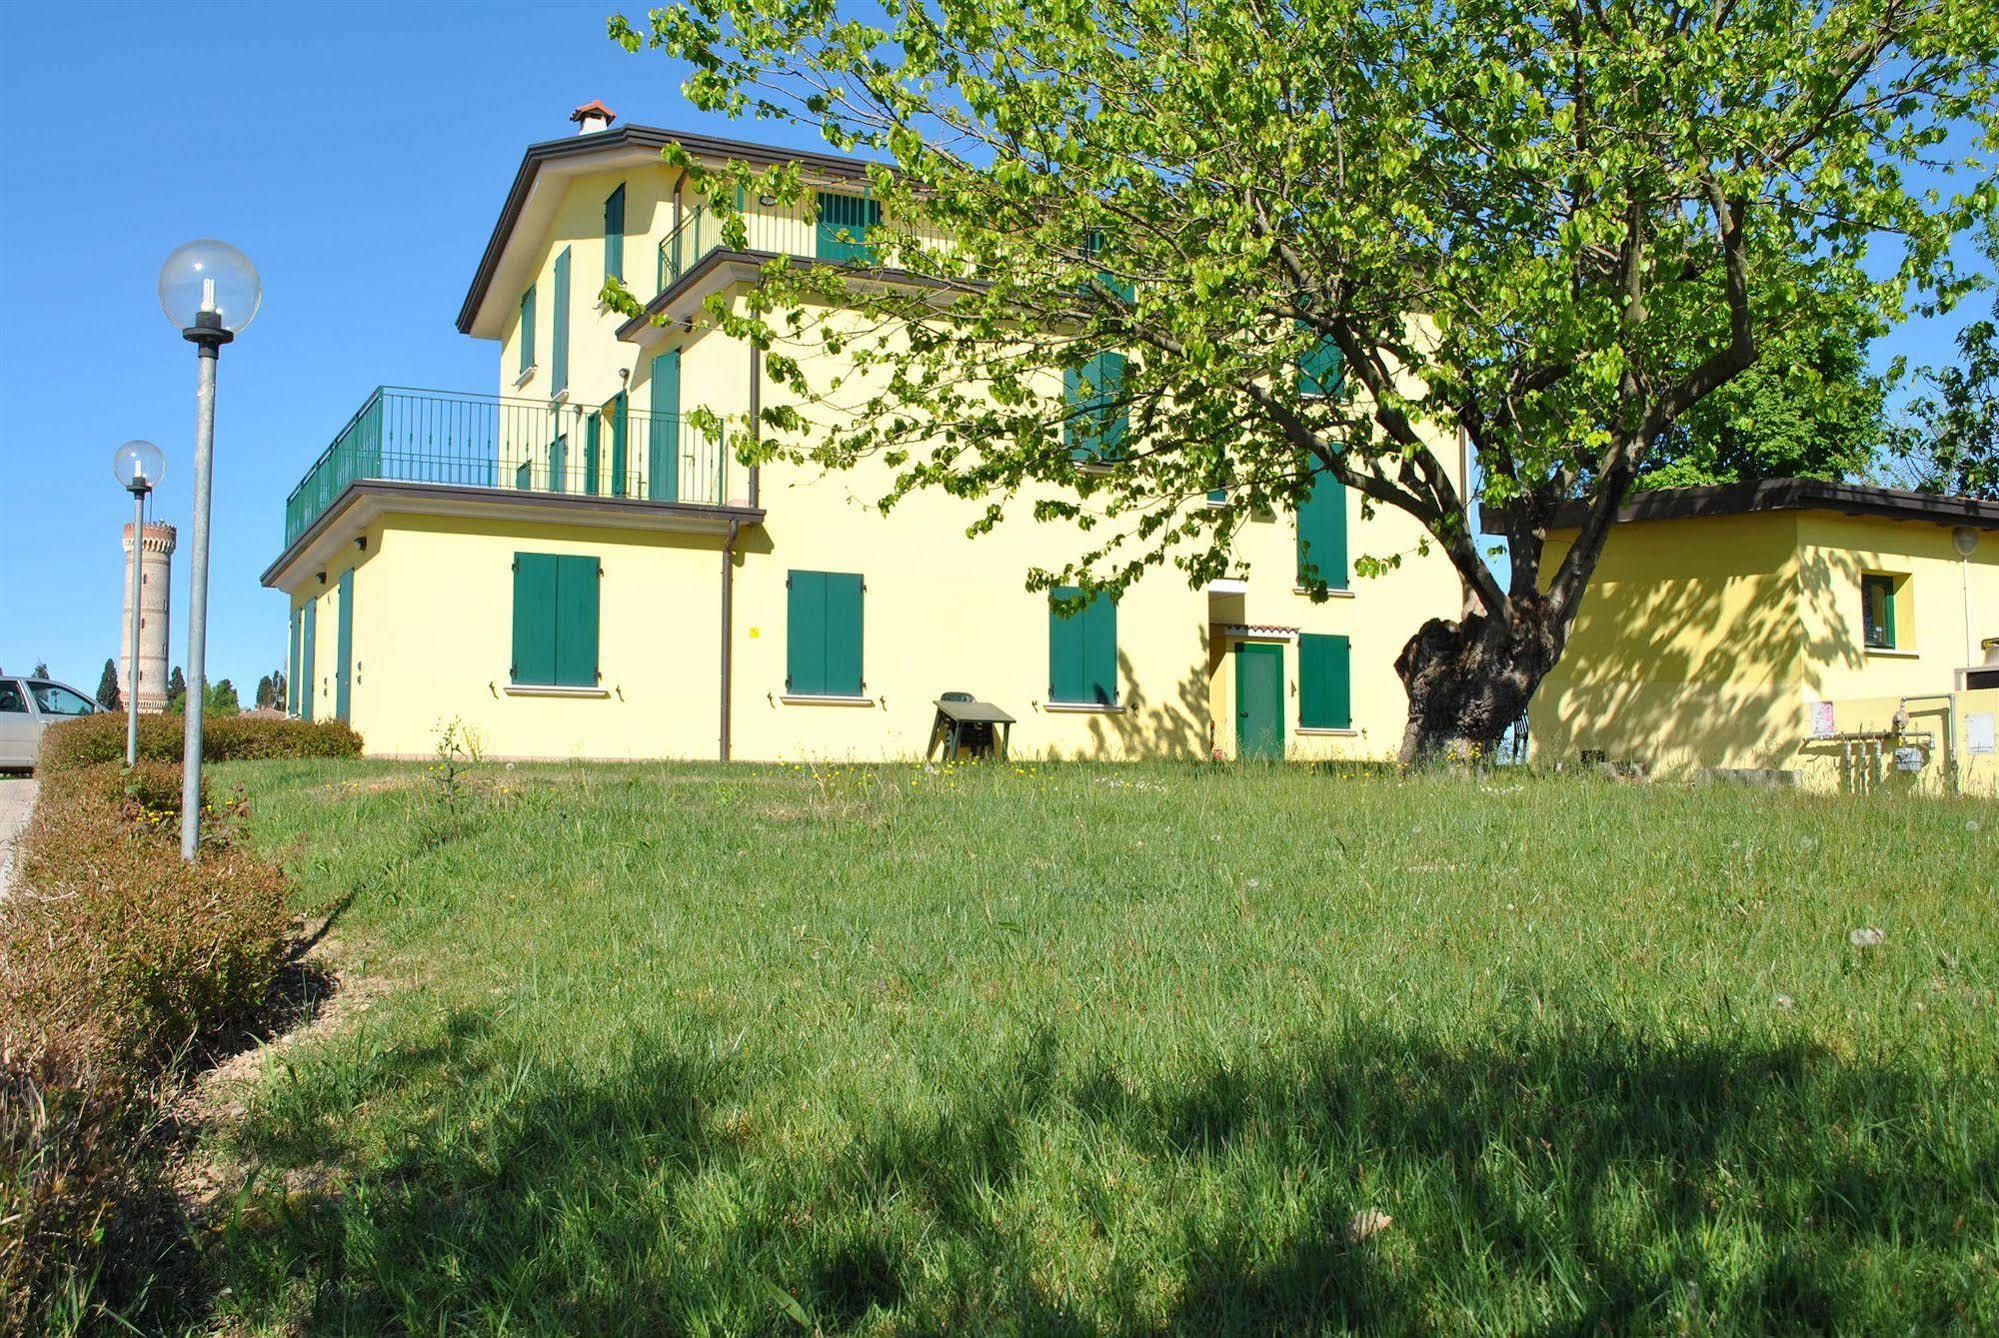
[486,441]
[836,228]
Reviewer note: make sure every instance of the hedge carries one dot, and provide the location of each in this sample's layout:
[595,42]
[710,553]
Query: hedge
[230,738]
[120,965]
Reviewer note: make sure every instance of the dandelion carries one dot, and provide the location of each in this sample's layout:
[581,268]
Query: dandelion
[1784,1001]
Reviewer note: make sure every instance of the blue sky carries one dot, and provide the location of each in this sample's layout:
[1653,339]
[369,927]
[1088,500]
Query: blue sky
[359,154]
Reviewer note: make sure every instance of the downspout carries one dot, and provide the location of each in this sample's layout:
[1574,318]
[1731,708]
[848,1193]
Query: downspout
[756,418]
[728,629]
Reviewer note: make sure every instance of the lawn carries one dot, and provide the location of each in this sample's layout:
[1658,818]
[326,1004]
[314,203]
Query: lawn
[1083,1049]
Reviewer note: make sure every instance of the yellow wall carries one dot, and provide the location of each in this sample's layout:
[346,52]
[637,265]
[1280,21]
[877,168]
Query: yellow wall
[1704,642]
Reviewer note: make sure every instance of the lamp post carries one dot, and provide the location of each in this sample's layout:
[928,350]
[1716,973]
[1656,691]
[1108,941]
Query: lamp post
[138,466]
[210,291]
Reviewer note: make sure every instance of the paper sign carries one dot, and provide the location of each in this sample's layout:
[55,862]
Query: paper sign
[1822,721]
[1978,733]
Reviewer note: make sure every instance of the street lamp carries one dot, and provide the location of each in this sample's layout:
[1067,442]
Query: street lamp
[210,291]
[138,466]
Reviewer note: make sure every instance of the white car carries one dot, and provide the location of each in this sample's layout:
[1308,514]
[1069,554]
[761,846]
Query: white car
[27,707]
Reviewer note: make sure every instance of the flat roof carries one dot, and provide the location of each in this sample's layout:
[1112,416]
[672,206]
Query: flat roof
[1731,499]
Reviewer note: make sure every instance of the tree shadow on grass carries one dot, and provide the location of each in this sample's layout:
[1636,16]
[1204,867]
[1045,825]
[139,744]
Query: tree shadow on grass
[1586,1180]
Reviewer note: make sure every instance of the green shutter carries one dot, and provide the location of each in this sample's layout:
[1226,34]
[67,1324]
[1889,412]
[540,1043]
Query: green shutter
[844,221]
[1096,428]
[534,617]
[527,329]
[343,662]
[291,668]
[1082,651]
[843,633]
[1123,288]
[558,462]
[1322,533]
[591,433]
[614,234]
[559,352]
[1321,368]
[805,634]
[578,583]
[621,423]
[308,658]
[524,475]
[663,442]
[1325,682]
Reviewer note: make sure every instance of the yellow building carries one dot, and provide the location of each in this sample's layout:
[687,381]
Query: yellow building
[1822,634]
[573,570]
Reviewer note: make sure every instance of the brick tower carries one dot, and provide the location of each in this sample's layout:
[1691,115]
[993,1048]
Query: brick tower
[155,574]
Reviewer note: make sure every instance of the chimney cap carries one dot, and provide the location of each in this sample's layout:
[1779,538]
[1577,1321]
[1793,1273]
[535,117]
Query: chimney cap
[593,109]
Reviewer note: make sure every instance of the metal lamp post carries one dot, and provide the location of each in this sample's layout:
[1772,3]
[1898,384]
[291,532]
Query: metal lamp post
[138,466]
[210,291]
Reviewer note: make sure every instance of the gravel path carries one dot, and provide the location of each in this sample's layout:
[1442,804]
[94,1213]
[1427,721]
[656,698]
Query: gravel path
[17,796]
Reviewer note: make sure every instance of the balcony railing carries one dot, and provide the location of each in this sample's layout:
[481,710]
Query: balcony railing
[840,229]
[485,441]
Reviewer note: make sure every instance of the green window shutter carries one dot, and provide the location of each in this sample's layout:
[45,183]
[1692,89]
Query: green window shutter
[559,352]
[1322,533]
[308,659]
[1123,288]
[844,630]
[1082,651]
[535,582]
[805,634]
[663,445]
[524,475]
[1321,369]
[527,329]
[291,668]
[592,430]
[1096,430]
[844,221]
[1325,682]
[578,585]
[558,462]
[614,234]
[343,661]
[621,424]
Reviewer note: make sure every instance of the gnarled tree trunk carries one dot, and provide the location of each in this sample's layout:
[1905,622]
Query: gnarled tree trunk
[1470,679]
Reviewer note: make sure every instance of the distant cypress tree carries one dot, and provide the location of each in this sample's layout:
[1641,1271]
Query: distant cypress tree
[264,692]
[107,687]
[41,668]
[176,690]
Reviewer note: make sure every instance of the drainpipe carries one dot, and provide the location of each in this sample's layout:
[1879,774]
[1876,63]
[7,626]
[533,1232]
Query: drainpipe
[728,631]
[756,417]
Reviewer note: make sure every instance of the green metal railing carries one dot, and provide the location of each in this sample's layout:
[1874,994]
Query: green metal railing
[836,228]
[486,441]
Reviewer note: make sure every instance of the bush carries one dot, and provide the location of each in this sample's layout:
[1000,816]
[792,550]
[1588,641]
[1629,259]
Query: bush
[101,738]
[118,963]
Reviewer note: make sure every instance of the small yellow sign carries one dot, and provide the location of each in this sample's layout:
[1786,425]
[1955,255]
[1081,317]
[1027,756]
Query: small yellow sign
[756,632]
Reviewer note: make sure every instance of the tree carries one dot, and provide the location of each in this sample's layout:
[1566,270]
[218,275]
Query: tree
[264,692]
[107,687]
[1808,408]
[1950,441]
[278,686]
[41,669]
[176,691]
[221,700]
[1551,230]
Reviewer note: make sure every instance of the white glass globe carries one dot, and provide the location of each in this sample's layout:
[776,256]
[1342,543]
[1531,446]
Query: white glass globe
[138,465]
[208,275]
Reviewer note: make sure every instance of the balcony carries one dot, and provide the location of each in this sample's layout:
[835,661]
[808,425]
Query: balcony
[833,228]
[451,441]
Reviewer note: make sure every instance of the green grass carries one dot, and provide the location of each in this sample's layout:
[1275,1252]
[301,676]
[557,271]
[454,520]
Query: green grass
[1081,1049]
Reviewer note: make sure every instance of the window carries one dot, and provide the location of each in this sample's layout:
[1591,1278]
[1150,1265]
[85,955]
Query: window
[1322,534]
[663,441]
[844,221]
[55,699]
[1321,369]
[1082,651]
[555,620]
[614,234]
[1325,682]
[527,330]
[12,700]
[823,630]
[1096,423]
[1877,612]
[559,351]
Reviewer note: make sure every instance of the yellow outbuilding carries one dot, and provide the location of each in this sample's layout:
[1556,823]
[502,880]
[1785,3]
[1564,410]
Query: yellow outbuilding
[1823,634]
[571,568]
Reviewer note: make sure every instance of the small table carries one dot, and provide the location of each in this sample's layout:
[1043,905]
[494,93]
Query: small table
[965,725]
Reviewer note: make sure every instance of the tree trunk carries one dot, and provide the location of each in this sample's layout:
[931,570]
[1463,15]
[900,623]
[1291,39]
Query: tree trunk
[1469,680]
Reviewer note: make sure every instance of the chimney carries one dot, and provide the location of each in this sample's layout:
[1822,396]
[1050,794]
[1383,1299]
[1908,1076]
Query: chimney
[591,117]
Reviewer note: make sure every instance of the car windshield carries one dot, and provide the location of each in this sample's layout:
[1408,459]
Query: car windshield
[55,699]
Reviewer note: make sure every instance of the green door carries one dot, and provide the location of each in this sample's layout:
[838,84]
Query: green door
[343,664]
[1259,690]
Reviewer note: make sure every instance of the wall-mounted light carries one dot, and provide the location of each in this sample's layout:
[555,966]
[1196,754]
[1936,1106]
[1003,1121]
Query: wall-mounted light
[322,577]
[767,201]
[362,543]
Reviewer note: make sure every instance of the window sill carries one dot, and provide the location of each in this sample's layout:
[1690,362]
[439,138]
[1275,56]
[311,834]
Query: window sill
[814,699]
[1082,708]
[552,690]
[527,375]
[1327,732]
[560,397]
[1893,652]
[1332,592]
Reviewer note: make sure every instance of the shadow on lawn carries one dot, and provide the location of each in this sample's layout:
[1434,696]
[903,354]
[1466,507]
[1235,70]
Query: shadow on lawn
[1595,1170]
